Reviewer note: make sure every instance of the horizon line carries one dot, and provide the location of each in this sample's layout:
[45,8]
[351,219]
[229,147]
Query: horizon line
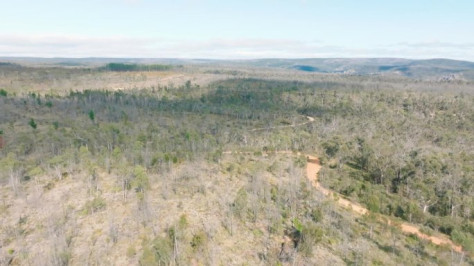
[231,59]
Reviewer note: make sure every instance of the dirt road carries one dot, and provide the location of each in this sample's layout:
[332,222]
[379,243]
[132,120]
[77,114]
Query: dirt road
[312,169]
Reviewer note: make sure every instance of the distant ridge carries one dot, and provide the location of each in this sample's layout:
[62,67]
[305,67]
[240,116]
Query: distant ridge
[423,69]
[436,68]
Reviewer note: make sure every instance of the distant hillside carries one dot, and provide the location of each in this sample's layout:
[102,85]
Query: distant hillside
[429,69]
[440,69]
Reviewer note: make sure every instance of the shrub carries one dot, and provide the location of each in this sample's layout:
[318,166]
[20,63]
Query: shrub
[311,234]
[240,203]
[317,215]
[331,147]
[148,257]
[274,193]
[32,123]
[95,205]
[36,171]
[131,251]
[91,115]
[64,257]
[198,241]
[158,253]
[466,240]
[183,221]
[140,181]
[373,203]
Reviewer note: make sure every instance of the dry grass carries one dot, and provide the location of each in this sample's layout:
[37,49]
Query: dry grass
[54,81]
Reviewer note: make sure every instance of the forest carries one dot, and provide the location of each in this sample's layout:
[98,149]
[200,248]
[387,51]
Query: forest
[120,67]
[188,171]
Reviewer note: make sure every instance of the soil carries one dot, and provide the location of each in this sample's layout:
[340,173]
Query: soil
[312,169]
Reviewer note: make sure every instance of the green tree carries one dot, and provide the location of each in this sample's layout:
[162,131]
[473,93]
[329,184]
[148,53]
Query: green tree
[141,181]
[92,115]
[2,143]
[10,169]
[32,123]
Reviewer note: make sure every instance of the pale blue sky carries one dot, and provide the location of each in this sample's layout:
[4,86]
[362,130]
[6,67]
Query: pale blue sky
[238,29]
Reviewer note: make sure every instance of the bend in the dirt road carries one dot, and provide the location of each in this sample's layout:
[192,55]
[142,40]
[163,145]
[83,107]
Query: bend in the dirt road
[312,169]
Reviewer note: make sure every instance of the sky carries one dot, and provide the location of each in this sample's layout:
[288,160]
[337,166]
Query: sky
[245,29]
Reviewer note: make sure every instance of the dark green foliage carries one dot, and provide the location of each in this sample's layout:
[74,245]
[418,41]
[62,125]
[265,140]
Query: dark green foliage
[3,93]
[331,147]
[305,236]
[464,238]
[32,123]
[311,235]
[91,115]
[121,67]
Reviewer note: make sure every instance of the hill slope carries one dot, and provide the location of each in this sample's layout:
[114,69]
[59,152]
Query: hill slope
[141,176]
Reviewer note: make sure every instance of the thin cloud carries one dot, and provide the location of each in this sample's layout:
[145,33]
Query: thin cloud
[73,46]
[123,46]
[438,44]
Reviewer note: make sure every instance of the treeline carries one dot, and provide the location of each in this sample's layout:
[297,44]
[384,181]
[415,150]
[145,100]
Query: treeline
[122,67]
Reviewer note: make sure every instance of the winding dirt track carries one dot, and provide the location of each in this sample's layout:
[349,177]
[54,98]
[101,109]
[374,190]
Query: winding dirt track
[312,169]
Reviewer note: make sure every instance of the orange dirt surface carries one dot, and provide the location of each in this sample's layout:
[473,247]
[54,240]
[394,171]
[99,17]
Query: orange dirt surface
[312,169]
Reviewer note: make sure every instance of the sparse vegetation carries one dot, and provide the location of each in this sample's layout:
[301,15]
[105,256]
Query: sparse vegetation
[151,179]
